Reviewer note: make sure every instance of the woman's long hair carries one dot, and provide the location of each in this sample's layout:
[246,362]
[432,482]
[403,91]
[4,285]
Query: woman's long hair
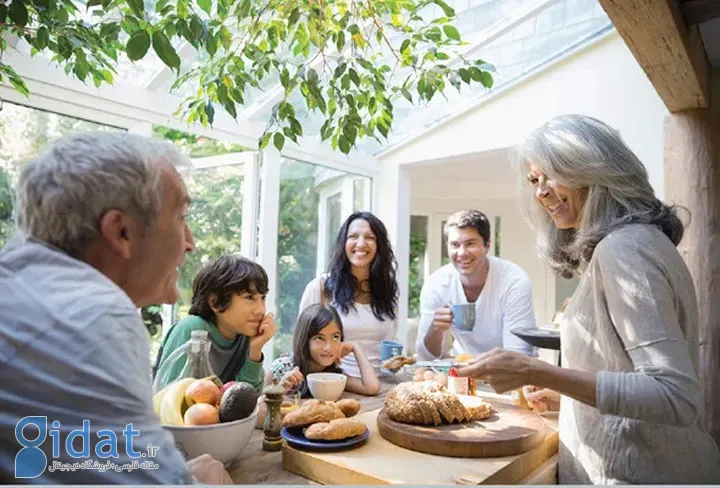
[311,321]
[341,285]
[584,153]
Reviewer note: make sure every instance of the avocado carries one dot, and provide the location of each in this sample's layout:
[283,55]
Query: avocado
[238,402]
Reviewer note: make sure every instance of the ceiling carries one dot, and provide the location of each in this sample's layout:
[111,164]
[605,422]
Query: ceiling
[705,14]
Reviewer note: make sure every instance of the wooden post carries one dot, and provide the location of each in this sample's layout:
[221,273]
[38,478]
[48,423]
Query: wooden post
[692,179]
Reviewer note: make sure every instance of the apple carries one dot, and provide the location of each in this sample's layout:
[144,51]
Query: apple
[226,386]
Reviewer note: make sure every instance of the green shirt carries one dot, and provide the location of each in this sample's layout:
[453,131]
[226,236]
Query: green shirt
[221,350]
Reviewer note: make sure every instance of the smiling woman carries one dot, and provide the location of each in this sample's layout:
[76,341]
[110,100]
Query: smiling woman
[361,284]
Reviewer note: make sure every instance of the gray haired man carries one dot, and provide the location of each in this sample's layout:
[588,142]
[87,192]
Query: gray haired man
[102,233]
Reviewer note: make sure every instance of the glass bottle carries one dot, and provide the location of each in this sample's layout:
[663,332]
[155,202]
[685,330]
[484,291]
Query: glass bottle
[195,353]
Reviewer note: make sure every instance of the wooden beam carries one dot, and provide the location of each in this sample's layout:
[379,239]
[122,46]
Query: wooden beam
[692,179]
[699,11]
[672,56]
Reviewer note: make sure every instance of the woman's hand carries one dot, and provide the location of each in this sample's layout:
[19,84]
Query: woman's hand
[502,370]
[542,399]
[208,471]
[292,379]
[266,330]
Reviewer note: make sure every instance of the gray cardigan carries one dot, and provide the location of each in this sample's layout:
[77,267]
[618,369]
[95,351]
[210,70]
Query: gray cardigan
[633,319]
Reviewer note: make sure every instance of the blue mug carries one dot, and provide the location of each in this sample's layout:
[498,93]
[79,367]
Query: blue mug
[389,349]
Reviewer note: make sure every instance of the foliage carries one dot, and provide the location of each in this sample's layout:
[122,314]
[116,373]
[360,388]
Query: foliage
[152,318]
[415,278]
[6,207]
[194,146]
[345,59]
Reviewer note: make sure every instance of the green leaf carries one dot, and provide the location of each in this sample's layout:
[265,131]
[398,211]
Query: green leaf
[354,77]
[296,127]
[279,141]
[18,12]
[406,93]
[42,38]
[206,5]
[486,79]
[138,45]
[464,75]
[433,34]
[210,112]
[93,3]
[447,9]
[165,51]
[344,144]
[264,140]
[15,79]
[451,32]
[225,37]
[405,45]
[294,17]
[137,7]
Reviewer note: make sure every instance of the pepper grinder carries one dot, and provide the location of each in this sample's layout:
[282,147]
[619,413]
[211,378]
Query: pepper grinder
[272,441]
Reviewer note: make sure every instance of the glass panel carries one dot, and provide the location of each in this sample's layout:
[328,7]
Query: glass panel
[418,248]
[497,236]
[24,133]
[302,238]
[444,256]
[360,202]
[215,185]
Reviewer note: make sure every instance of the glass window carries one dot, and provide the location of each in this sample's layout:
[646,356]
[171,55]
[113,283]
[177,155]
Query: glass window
[314,201]
[418,247]
[496,238]
[215,184]
[360,200]
[445,257]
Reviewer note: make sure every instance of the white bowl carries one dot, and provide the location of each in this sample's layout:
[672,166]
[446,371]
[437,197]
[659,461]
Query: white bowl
[326,386]
[223,441]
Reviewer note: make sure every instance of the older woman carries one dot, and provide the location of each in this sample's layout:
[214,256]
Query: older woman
[361,284]
[631,407]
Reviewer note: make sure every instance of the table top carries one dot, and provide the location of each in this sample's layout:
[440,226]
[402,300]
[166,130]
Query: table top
[261,467]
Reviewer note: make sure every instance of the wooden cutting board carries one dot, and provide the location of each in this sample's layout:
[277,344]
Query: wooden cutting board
[509,430]
[379,462]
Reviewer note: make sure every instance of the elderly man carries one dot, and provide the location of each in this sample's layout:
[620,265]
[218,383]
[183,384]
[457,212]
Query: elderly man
[500,291]
[102,232]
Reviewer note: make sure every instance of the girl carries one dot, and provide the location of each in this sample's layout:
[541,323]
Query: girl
[318,347]
[229,303]
[361,284]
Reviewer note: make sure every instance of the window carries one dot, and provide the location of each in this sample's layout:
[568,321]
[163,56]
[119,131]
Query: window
[418,247]
[24,133]
[444,257]
[497,236]
[314,201]
[360,196]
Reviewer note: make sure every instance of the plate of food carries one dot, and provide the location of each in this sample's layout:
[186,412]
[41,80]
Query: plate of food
[318,424]
[296,437]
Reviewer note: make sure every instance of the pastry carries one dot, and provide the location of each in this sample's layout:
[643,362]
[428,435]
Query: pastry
[348,406]
[312,411]
[396,362]
[429,403]
[335,429]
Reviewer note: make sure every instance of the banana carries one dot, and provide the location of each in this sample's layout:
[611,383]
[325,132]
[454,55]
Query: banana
[214,378]
[158,397]
[172,402]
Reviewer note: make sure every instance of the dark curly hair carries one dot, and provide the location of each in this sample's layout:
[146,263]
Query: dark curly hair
[341,285]
[228,275]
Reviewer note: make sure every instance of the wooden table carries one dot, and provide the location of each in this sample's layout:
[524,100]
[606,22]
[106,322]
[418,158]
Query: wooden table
[261,467]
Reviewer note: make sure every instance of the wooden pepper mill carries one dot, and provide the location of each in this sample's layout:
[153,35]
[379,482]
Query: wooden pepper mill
[273,420]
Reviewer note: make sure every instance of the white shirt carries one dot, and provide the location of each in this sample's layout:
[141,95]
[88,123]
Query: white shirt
[505,302]
[360,326]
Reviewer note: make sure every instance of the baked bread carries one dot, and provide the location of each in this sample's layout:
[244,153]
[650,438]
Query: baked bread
[348,406]
[429,403]
[336,430]
[312,411]
[396,362]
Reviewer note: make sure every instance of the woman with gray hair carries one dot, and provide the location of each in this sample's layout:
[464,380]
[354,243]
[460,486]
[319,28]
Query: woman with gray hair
[631,405]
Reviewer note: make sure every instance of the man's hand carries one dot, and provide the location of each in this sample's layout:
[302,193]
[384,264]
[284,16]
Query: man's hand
[208,471]
[266,330]
[442,320]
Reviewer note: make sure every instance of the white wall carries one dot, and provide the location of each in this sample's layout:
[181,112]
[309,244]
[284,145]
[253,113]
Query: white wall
[602,80]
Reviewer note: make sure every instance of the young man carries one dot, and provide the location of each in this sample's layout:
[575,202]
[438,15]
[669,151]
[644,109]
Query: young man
[500,290]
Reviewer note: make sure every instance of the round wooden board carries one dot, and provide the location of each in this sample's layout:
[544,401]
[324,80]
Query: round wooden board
[510,430]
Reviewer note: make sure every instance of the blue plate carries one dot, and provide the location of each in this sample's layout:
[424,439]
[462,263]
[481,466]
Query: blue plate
[295,436]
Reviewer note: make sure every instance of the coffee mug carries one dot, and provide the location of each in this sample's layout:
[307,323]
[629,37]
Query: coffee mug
[389,349]
[463,316]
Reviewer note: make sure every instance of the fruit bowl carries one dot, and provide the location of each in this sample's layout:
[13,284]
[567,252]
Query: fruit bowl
[326,386]
[223,441]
